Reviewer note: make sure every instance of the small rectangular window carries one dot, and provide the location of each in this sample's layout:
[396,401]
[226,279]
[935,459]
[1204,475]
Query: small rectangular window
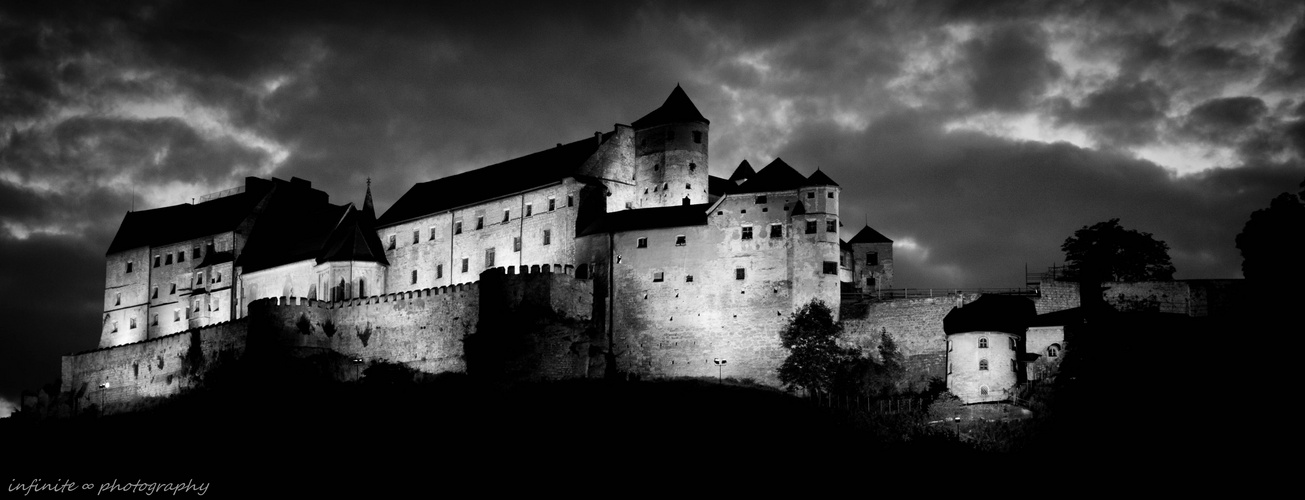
[529,210]
[167,260]
[129,263]
[811,227]
[629,205]
[776,230]
[489,258]
[747,232]
[480,222]
[548,236]
[831,267]
[831,226]
[457,227]
[570,201]
[680,240]
[688,278]
[552,203]
[181,256]
[173,291]
[176,315]
[199,279]
[697,137]
[761,200]
[830,195]
[658,276]
[194,252]
[739,273]
[393,240]
[154,320]
[133,323]
[416,237]
[117,299]
[872,259]
[432,234]
[811,194]
[115,327]
[217,278]
[439,271]
[643,243]
[414,276]
[516,243]
[155,293]
[465,262]
[507,215]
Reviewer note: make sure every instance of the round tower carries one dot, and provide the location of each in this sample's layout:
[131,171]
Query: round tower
[670,147]
[985,343]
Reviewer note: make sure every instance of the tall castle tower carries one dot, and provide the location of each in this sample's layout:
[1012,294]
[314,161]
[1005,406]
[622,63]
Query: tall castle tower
[670,151]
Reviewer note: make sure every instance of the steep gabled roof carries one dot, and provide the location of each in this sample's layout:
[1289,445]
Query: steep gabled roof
[292,228]
[869,235]
[500,179]
[777,176]
[742,172]
[820,179]
[649,218]
[161,226]
[678,108]
[354,239]
[991,313]
[717,186]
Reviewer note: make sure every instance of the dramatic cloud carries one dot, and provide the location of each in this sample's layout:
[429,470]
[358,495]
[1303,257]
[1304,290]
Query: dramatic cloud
[978,135]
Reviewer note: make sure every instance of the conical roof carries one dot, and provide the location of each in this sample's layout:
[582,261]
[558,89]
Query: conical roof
[820,179]
[678,108]
[777,176]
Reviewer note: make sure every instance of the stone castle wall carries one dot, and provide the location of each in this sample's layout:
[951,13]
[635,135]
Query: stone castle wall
[916,325]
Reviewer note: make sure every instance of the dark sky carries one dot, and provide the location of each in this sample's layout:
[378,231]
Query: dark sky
[977,135]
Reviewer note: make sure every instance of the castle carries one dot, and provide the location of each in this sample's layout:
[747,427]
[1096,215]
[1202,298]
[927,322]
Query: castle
[617,254]
[669,267]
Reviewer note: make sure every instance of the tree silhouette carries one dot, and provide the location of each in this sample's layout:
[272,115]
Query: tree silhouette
[1271,242]
[815,359]
[1108,252]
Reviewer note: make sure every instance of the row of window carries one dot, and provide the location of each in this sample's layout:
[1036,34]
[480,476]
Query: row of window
[176,316]
[480,224]
[983,366]
[761,198]
[670,136]
[199,280]
[166,259]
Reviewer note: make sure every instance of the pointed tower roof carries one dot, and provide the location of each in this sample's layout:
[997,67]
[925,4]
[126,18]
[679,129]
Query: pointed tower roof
[743,172]
[678,108]
[368,209]
[777,176]
[869,235]
[820,179]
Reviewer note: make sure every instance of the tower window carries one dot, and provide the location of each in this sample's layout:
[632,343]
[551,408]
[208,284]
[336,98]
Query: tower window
[176,315]
[529,209]
[830,195]
[194,252]
[516,243]
[552,204]
[414,276]
[656,166]
[1012,343]
[811,227]
[129,263]
[1053,350]
[181,256]
[457,228]
[155,294]
[983,343]
[643,243]
[432,235]
[983,364]
[115,327]
[629,205]
[831,267]
[548,236]
[167,260]
[154,320]
[811,194]
[464,264]
[680,240]
[693,166]
[393,241]
[747,232]
[740,273]
[480,222]
[872,259]
[570,201]
[217,278]
[658,277]
[688,278]
[688,186]
[1014,367]
[697,137]
[507,215]
[416,237]
[117,299]
[776,230]
[132,324]
[489,258]
[761,200]
[439,271]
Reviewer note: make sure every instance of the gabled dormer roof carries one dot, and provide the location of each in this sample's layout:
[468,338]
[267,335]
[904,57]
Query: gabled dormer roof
[869,235]
[777,176]
[820,179]
[678,108]
[354,239]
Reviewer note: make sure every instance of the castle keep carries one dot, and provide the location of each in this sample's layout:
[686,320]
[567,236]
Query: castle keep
[640,262]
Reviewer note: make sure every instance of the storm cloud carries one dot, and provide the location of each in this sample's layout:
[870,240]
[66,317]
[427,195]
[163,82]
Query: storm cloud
[977,135]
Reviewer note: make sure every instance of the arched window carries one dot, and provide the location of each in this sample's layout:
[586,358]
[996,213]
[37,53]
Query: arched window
[1053,350]
[983,344]
[983,364]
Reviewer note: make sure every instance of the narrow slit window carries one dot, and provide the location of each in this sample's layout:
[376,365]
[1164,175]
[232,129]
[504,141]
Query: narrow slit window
[439,271]
[414,276]
[480,222]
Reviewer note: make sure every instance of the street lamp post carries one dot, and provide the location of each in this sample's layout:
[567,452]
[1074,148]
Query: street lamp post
[720,369]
